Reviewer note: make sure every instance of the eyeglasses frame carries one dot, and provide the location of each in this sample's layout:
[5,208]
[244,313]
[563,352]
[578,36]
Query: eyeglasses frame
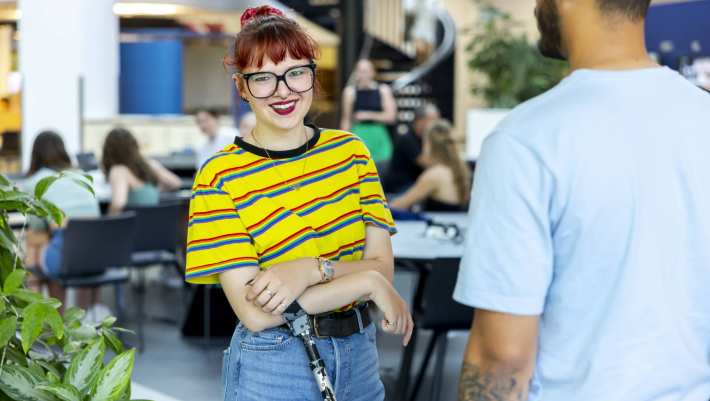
[279,78]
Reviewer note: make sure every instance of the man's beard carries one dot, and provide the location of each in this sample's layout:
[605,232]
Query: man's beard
[548,23]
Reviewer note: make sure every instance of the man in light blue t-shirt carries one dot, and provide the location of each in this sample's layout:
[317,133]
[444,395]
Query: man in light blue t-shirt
[588,252]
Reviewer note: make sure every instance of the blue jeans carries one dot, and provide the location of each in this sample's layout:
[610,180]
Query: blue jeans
[272,365]
[52,258]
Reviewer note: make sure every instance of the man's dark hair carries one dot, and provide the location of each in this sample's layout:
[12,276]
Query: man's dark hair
[211,111]
[632,9]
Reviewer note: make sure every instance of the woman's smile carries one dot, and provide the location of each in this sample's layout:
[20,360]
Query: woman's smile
[284,108]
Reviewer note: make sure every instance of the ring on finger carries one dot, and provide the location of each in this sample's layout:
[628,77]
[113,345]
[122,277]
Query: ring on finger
[269,293]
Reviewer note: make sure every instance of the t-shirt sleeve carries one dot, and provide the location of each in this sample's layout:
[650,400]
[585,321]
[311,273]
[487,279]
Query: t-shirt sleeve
[508,262]
[216,237]
[373,204]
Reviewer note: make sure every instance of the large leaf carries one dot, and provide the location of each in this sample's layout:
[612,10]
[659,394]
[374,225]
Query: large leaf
[85,367]
[65,392]
[54,319]
[44,184]
[18,384]
[115,377]
[14,281]
[8,328]
[32,320]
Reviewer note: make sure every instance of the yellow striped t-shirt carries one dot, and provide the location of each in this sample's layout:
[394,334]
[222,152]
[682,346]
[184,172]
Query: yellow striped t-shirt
[251,210]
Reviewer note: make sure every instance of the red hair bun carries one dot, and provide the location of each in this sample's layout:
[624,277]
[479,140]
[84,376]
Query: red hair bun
[250,14]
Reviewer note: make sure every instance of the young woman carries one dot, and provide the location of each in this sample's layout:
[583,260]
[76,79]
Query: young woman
[134,180]
[446,184]
[293,213]
[44,240]
[368,106]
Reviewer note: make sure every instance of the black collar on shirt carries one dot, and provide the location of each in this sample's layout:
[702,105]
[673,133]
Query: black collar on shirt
[281,154]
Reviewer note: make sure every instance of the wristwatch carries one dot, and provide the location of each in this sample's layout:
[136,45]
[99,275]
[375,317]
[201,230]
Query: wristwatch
[326,269]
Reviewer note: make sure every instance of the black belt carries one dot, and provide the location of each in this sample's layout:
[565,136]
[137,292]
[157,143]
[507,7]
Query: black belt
[341,324]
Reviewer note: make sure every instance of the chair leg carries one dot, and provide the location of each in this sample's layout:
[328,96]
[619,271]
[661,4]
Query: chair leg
[93,299]
[120,300]
[120,307]
[141,309]
[424,366]
[439,368]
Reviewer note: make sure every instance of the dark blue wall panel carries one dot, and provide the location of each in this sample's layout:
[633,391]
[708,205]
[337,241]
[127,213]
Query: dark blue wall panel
[680,23]
[151,77]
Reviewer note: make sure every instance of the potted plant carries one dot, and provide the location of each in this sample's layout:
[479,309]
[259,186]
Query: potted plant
[46,356]
[513,68]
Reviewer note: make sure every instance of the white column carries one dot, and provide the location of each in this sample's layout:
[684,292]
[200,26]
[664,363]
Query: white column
[100,58]
[62,42]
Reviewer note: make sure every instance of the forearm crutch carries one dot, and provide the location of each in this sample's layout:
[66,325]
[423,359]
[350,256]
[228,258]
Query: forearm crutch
[300,324]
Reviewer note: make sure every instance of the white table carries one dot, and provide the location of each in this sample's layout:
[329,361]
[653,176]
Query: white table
[410,243]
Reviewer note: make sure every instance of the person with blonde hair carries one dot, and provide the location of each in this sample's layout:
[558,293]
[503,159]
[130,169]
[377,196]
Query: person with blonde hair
[445,185]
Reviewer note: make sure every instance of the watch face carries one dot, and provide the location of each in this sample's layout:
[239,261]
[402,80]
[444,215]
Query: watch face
[328,267]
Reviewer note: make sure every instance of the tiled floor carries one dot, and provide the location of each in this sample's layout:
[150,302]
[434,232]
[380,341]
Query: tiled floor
[176,368]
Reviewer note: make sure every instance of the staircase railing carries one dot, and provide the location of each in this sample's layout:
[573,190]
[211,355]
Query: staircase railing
[445,48]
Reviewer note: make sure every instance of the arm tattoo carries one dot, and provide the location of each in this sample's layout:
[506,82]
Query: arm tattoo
[477,385]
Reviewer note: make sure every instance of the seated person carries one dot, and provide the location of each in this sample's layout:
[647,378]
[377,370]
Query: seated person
[217,137]
[407,162]
[44,240]
[134,180]
[445,185]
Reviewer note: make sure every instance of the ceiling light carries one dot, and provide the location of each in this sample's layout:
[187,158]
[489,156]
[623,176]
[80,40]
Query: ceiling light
[132,9]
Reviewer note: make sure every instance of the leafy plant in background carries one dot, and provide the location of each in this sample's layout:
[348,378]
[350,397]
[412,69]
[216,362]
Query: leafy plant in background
[46,356]
[515,70]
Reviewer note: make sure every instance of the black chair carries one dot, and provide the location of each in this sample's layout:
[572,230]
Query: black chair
[94,252]
[157,235]
[440,314]
[156,242]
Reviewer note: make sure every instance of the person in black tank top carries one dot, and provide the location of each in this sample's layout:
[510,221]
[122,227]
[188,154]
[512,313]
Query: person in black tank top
[368,107]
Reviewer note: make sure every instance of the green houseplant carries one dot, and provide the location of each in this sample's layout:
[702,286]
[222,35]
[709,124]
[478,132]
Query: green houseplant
[513,68]
[46,356]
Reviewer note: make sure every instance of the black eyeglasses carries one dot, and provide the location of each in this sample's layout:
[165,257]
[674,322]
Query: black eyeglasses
[264,84]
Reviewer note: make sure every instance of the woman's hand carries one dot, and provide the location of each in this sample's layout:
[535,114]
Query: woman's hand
[397,320]
[276,288]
